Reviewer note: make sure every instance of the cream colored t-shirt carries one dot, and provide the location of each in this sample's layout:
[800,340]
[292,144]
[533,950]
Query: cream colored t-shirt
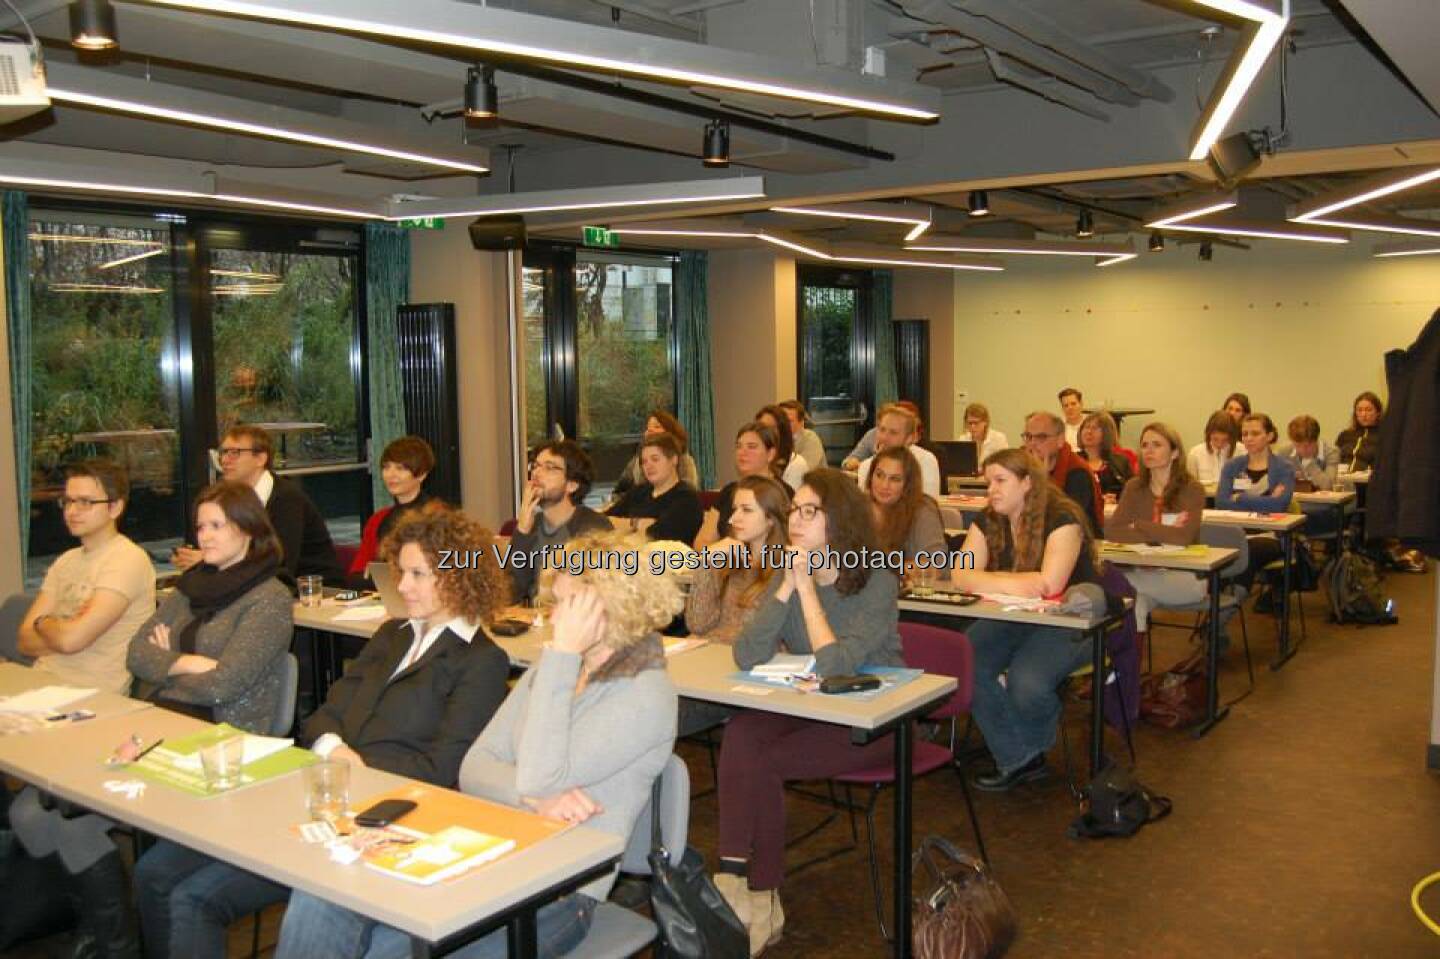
[119,566]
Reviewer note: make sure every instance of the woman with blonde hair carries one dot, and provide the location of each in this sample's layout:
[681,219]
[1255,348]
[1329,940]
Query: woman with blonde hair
[580,739]
[1031,541]
[1161,505]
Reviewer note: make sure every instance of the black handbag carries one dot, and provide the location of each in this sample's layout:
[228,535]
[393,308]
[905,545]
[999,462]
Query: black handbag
[1116,804]
[695,921]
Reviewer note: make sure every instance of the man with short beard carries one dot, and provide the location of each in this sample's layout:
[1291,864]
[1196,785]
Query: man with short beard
[552,511]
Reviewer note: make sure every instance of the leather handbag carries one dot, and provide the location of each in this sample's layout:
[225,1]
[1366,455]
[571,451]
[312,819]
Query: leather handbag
[1116,804]
[962,913]
[694,920]
[1175,698]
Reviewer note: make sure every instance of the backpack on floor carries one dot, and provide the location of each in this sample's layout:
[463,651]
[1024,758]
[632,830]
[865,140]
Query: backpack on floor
[1352,588]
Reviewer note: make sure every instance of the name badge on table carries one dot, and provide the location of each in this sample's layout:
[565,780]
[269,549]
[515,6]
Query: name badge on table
[1169,519]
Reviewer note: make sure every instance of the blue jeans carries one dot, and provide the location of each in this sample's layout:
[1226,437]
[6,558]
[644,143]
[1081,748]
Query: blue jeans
[187,901]
[1019,718]
[316,929]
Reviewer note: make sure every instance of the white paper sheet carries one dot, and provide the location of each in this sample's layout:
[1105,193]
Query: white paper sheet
[46,699]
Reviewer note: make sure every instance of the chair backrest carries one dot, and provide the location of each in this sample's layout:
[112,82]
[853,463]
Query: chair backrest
[507,528]
[1129,455]
[709,499]
[12,614]
[1228,537]
[284,718]
[945,653]
[674,820]
[952,518]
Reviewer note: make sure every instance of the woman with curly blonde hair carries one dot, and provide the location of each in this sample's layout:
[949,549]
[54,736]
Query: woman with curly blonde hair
[1032,540]
[579,740]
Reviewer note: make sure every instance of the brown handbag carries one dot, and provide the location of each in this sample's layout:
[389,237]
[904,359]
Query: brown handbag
[963,913]
[1175,698]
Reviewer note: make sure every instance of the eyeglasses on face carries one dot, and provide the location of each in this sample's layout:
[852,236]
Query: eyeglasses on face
[1037,437]
[84,502]
[547,467]
[230,452]
[807,511]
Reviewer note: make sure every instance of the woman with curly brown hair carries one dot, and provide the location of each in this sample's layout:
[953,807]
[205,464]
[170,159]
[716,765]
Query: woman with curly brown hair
[843,613]
[1032,541]
[580,740]
[411,703]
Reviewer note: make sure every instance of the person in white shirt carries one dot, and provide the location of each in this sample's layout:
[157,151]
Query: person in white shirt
[94,596]
[897,426]
[1222,436]
[807,441]
[977,425]
[1072,405]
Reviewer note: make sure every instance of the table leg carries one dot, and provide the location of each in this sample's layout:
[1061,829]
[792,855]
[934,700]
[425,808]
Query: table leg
[419,948]
[520,935]
[1287,548]
[903,843]
[1097,700]
[1213,712]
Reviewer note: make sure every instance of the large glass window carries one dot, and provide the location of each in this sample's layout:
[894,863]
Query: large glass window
[102,379]
[836,355]
[532,323]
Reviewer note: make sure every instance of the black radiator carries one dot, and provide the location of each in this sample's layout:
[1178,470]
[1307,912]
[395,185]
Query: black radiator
[428,383]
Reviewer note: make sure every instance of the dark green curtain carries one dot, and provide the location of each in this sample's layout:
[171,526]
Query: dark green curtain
[387,287]
[14,227]
[887,390]
[692,335]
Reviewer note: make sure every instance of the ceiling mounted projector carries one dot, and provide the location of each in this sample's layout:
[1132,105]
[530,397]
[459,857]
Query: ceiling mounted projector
[22,82]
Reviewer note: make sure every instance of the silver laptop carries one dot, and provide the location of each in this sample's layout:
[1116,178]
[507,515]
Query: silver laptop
[387,584]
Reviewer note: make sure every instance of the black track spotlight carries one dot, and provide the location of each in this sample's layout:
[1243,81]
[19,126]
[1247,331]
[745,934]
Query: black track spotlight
[979,203]
[1084,225]
[1207,251]
[92,25]
[1157,243]
[717,144]
[482,100]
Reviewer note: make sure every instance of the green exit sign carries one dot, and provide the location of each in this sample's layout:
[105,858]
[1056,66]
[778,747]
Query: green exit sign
[599,236]
[423,223]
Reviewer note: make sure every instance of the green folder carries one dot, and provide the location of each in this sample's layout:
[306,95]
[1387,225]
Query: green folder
[159,766]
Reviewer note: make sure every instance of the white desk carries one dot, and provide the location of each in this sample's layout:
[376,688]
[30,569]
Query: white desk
[1207,564]
[250,828]
[15,678]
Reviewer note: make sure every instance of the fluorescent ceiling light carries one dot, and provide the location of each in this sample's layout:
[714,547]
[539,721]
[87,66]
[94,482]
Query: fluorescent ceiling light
[1193,209]
[1265,31]
[1261,230]
[1379,224]
[876,212]
[1388,250]
[1372,188]
[94,186]
[505,33]
[586,198]
[132,258]
[101,288]
[155,111]
[820,250]
[1108,254]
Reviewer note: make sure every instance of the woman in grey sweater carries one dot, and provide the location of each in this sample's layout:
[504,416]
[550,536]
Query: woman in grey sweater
[845,615]
[215,648]
[580,739]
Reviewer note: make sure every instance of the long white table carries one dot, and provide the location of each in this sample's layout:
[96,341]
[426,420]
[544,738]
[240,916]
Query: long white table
[250,828]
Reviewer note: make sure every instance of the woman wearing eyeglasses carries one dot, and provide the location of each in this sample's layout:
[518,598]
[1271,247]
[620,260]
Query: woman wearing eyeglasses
[977,424]
[1097,449]
[844,617]
[1030,541]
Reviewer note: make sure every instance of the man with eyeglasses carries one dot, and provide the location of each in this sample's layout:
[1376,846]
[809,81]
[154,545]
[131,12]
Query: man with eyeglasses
[896,425]
[1044,439]
[95,596]
[246,453]
[552,511]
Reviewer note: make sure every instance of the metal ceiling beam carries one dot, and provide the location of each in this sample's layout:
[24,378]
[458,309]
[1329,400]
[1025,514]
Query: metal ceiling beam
[1047,32]
[1049,89]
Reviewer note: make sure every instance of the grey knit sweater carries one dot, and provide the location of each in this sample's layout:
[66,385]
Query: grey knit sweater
[864,624]
[611,741]
[248,639]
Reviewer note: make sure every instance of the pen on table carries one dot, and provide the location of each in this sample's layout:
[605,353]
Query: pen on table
[146,751]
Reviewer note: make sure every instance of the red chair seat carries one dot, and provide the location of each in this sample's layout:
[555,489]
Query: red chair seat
[926,757]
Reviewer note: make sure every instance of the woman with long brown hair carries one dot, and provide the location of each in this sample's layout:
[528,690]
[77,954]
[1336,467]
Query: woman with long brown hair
[1032,541]
[725,595]
[1097,449]
[791,466]
[1161,505]
[906,520]
[844,615]
[1222,438]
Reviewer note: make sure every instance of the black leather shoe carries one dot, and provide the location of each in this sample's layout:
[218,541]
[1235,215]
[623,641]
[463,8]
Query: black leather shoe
[998,782]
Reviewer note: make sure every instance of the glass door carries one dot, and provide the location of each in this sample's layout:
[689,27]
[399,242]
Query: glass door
[836,355]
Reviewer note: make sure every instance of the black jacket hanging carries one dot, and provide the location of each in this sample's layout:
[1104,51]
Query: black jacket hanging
[1404,495]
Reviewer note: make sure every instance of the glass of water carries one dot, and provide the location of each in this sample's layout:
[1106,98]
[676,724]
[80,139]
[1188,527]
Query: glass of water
[327,790]
[311,590]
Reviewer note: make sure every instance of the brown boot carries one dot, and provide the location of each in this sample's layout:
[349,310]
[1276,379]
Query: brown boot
[735,890]
[767,919]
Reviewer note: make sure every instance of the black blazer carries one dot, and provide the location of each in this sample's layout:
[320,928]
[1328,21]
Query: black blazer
[302,532]
[421,723]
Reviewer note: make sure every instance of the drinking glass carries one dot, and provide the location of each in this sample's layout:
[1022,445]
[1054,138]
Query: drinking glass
[222,762]
[327,790]
[311,590]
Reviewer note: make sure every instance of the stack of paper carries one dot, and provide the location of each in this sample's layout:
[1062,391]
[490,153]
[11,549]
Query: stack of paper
[45,700]
[783,665]
[256,748]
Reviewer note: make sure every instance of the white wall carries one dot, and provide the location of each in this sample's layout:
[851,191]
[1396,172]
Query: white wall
[1301,328]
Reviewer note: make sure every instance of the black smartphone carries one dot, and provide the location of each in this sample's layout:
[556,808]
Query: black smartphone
[848,684]
[383,813]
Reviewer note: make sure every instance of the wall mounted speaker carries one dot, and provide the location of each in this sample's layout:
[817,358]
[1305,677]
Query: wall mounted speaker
[498,233]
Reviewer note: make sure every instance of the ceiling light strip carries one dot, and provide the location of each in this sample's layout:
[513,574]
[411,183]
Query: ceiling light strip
[1192,212]
[1269,28]
[152,111]
[133,190]
[1260,232]
[1422,251]
[395,28]
[919,224]
[592,198]
[1406,227]
[1372,189]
